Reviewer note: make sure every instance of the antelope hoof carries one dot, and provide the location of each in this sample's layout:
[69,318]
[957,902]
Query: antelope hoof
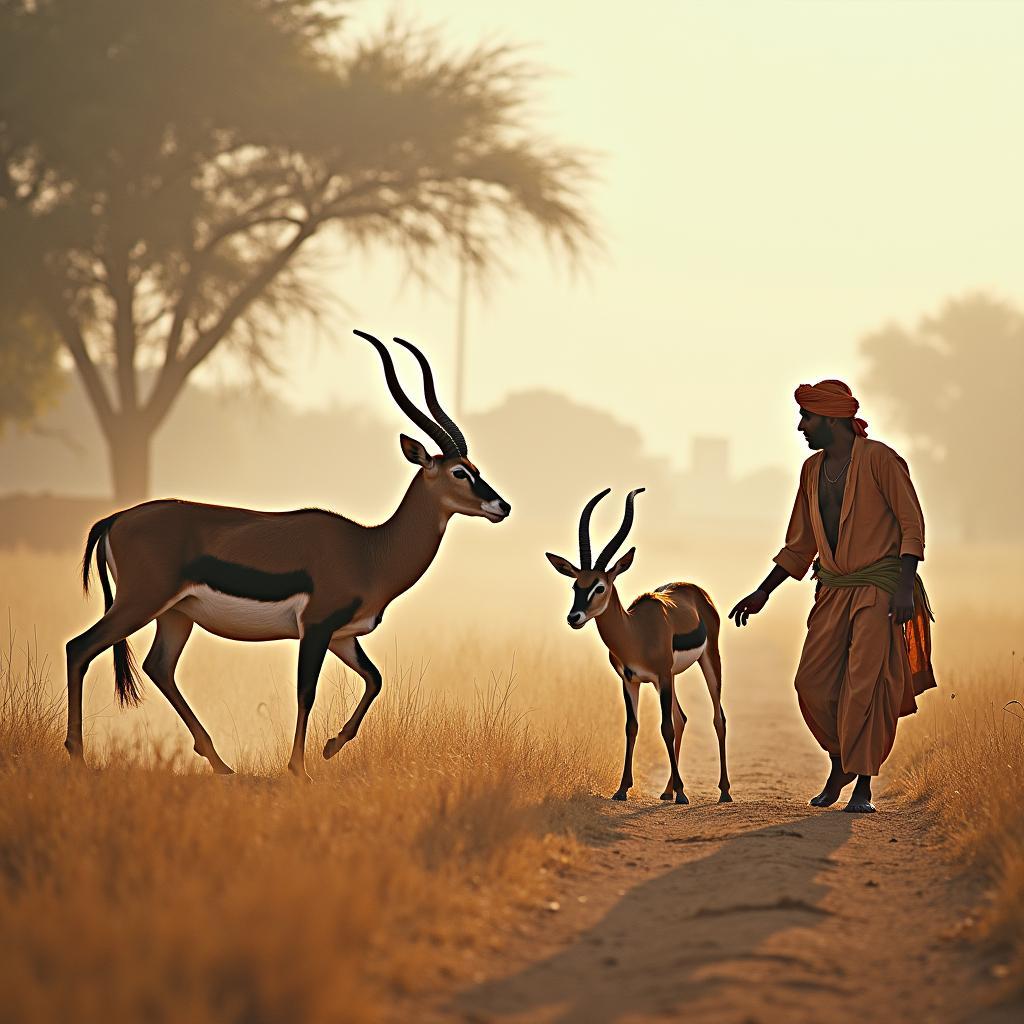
[218,766]
[299,773]
[668,794]
[620,794]
[332,746]
[681,798]
[725,798]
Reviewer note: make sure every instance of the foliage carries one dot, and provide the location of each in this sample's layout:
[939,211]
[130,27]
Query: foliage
[165,167]
[952,385]
[30,377]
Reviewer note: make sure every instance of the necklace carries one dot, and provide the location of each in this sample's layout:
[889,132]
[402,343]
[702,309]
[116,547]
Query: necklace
[838,475]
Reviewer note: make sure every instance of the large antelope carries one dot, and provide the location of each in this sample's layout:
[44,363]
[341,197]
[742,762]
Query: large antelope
[661,634]
[308,575]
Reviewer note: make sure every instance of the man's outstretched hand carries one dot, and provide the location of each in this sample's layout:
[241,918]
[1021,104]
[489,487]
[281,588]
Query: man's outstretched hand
[750,605]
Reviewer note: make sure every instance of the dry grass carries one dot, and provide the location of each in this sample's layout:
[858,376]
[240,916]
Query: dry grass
[152,890]
[965,757]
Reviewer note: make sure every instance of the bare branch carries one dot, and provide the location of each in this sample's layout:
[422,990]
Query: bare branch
[173,375]
[71,335]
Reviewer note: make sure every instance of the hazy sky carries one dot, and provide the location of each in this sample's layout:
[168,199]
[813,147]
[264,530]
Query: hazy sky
[778,178]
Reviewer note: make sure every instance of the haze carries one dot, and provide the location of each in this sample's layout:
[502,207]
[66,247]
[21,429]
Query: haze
[778,179]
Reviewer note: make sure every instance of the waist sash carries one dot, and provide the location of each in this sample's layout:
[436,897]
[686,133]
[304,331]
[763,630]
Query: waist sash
[917,635]
[884,574]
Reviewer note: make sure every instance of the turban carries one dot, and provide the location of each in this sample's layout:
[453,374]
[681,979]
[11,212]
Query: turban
[831,398]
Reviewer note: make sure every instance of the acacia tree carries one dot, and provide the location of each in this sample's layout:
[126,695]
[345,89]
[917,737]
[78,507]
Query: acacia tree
[166,166]
[951,384]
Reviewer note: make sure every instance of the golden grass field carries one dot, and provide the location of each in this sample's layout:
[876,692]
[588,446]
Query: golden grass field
[965,759]
[146,888]
[149,889]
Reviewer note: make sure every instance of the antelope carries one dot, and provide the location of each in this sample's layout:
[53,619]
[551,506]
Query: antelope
[309,575]
[660,635]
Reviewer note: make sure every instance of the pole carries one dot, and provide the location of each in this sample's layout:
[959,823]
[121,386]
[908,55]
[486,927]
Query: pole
[460,332]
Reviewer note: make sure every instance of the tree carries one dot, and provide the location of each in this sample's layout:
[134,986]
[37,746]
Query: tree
[166,167]
[952,385]
[30,379]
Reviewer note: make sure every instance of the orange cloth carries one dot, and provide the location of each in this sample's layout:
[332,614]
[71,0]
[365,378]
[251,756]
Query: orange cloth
[831,398]
[859,671]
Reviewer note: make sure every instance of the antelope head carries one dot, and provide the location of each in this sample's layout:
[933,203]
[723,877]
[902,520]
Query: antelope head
[592,584]
[453,482]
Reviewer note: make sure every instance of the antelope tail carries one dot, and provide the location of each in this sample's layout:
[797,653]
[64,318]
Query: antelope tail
[126,674]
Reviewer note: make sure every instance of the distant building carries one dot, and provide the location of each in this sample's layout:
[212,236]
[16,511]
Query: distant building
[708,493]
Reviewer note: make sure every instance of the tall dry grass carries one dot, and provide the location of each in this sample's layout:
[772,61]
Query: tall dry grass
[965,759]
[150,890]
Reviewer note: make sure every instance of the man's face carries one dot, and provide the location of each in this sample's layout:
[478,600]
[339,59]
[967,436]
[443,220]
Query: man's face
[816,429]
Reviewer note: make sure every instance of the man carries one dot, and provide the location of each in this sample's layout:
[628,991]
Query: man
[868,647]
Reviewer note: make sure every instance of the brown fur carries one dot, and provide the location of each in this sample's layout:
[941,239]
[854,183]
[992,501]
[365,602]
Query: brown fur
[640,646]
[355,572]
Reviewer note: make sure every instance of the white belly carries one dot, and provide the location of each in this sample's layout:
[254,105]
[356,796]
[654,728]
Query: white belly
[681,661]
[358,627]
[239,618]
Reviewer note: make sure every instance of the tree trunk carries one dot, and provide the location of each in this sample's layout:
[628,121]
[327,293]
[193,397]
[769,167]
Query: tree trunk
[129,446]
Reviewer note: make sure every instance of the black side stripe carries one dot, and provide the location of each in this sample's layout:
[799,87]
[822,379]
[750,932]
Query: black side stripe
[688,641]
[342,617]
[243,581]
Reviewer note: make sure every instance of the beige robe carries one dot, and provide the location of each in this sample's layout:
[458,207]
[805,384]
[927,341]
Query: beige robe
[859,670]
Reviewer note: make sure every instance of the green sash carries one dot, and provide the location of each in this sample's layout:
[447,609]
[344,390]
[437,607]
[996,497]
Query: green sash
[884,574]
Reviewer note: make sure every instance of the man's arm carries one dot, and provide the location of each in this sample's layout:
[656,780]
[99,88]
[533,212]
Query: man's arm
[901,604]
[894,482]
[896,486]
[753,603]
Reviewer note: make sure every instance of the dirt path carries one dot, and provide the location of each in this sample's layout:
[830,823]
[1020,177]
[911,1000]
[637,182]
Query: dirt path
[743,913]
[760,911]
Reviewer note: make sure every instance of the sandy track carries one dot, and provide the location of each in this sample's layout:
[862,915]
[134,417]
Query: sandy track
[762,910]
[744,913]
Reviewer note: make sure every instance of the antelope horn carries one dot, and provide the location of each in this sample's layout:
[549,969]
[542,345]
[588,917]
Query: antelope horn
[431,395]
[585,528]
[437,434]
[627,521]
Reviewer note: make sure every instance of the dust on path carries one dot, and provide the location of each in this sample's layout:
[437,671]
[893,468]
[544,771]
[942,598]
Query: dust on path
[763,910]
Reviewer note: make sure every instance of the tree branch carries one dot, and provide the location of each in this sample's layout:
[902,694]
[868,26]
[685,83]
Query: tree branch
[174,374]
[71,335]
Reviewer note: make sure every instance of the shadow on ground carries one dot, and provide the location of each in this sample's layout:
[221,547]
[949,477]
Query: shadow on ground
[661,947]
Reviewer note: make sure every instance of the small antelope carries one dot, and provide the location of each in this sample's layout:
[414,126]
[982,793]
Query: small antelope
[308,575]
[661,634]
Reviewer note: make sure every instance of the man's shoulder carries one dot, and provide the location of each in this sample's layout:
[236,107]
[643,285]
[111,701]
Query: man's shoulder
[810,462]
[878,453]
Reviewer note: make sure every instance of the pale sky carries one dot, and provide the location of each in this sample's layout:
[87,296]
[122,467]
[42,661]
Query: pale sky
[778,179]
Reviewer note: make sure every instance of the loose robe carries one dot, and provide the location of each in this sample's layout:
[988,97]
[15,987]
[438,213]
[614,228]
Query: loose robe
[856,676]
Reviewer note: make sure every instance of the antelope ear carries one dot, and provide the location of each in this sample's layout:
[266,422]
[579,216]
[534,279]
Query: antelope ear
[622,564]
[415,452]
[562,565]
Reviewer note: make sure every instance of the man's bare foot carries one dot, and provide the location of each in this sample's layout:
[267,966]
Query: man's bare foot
[836,782]
[860,801]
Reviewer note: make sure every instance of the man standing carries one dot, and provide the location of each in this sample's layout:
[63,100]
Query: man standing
[868,649]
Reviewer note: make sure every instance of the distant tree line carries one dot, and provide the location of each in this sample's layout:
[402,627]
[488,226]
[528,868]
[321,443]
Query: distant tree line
[951,383]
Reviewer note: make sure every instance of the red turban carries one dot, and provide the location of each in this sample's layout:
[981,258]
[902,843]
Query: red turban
[831,398]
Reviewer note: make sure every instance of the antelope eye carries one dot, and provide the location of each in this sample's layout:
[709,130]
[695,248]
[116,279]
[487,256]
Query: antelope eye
[599,589]
[460,474]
